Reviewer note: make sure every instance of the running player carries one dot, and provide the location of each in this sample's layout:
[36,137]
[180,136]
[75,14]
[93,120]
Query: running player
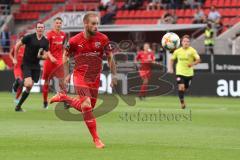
[88,48]
[186,58]
[36,48]
[17,70]
[146,58]
[53,66]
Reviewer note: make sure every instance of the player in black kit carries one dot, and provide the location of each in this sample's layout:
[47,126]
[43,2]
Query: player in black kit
[36,48]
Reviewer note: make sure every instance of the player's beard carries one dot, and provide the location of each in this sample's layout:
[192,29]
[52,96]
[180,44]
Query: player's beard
[91,33]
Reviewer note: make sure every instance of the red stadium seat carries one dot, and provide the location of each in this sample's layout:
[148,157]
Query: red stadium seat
[180,12]
[220,3]
[69,7]
[234,12]
[46,1]
[26,16]
[208,3]
[119,14]
[227,3]
[35,7]
[189,12]
[214,3]
[234,3]
[138,13]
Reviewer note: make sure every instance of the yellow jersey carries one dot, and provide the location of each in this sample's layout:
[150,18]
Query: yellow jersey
[185,57]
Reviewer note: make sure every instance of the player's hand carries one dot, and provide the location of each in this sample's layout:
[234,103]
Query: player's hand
[14,61]
[113,82]
[53,59]
[190,65]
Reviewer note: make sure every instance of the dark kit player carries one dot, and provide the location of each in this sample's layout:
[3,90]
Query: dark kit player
[36,48]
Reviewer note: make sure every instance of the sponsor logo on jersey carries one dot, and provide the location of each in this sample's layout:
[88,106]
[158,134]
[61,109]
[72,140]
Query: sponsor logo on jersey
[97,44]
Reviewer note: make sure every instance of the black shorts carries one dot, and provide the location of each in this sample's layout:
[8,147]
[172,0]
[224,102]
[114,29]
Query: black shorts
[33,72]
[184,80]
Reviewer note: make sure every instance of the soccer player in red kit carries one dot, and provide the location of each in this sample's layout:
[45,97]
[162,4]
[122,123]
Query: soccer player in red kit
[53,66]
[88,48]
[17,70]
[146,58]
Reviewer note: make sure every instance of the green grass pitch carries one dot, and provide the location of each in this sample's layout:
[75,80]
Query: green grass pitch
[208,130]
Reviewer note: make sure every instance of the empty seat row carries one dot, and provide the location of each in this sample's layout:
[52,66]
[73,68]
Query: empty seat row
[222,3]
[26,16]
[35,7]
[46,1]
[136,21]
[81,7]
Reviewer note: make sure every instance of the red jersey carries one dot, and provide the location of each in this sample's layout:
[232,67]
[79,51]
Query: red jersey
[88,55]
[56,42]
[146,59]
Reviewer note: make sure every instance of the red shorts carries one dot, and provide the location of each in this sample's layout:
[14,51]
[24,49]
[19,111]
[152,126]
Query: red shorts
[51,70]
[85,89]
[145,74]
[17,70]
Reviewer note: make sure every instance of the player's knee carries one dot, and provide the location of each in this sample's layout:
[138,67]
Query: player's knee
[28,83]
[145,81]
[86,103]
[181,87]
[86,108]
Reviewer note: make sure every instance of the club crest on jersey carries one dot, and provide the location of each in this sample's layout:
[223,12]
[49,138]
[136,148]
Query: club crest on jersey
[97,44]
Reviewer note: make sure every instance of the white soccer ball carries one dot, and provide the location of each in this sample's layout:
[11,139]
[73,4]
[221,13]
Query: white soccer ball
[170,41]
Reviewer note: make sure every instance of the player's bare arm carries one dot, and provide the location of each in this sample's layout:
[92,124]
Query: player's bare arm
[113,70]
[170,69]
[11,54]
[66,66]
[195,62]
[51,57]
[18,45]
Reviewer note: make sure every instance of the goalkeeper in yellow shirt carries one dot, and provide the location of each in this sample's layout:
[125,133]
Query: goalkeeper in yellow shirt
[186,58]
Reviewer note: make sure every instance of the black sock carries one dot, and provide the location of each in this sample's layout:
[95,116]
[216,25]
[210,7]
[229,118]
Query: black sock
[17,84]
[181,96]
[23,98]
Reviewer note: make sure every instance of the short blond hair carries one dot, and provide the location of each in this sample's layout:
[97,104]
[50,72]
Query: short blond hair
[89,14]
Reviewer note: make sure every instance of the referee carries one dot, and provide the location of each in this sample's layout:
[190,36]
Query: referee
[36,48]
[186,58]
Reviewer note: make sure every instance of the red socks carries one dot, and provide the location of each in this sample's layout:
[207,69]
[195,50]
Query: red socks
[19,92]
[45,92]
[143,90]
[88,116]
[90,121]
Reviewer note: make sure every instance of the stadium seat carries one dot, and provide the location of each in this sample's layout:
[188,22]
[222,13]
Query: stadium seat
[207,3]
[189,12]
[220,3]
[180,12]
[227,3]
[35,7]
[234,3]
[46,1]
[214,3]
[26,16]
